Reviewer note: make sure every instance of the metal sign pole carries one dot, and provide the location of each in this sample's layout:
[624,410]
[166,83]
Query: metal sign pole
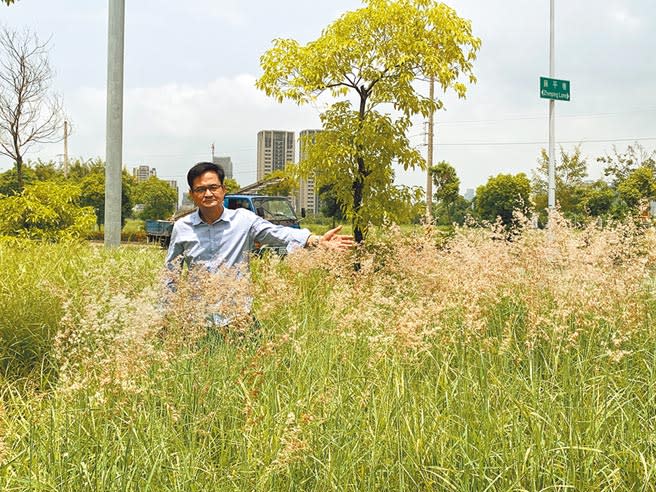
[552,116]
[429,159]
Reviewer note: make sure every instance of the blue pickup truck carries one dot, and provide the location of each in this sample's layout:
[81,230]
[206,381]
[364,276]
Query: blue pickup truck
[275,209]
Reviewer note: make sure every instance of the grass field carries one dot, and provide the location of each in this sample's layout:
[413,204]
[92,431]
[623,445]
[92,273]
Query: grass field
[465,363]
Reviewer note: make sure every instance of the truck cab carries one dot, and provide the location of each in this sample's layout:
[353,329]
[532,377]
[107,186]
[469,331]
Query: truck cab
[275,209]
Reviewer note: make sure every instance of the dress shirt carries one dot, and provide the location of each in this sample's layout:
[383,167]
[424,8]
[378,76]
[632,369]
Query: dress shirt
[228,241]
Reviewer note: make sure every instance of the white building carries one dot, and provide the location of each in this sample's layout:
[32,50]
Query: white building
[142,173]
[275,148]
[308,193]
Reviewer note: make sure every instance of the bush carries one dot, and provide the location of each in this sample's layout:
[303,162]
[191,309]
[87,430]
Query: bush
[47,211]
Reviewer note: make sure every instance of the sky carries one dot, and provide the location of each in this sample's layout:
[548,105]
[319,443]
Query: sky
[191,67]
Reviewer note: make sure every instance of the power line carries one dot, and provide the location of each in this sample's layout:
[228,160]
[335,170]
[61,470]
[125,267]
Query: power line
[541,142]
[541,117]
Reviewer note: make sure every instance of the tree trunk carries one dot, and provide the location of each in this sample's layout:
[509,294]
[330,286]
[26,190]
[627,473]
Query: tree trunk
[19,173]
[358,186]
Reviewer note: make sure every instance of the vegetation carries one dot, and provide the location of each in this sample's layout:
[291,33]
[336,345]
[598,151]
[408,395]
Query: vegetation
[571,171]
[502,196]
[482,364]
[93,192]
[29,112]
[631,185]
[281,182]
[231,185]
[373,54]
[46,210]
[450,206]
[159,200]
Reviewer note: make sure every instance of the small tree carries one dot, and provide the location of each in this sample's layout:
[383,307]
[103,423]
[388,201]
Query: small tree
[447,194]
[639,185]
[375,54]
[598,199]
[79,168]
[446,181]
[158,198]
[501,196]
[231,185]
[328,204]
[571,170]
[9,181]
[93,194]
[619,165]
[47,170]
[29,113]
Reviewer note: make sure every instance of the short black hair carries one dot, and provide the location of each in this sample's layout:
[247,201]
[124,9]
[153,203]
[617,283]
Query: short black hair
[201,168]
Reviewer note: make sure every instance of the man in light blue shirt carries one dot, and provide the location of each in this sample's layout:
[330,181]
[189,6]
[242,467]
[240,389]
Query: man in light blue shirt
[216,237]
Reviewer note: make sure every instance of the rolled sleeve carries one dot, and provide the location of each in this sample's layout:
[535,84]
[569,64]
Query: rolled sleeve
[279,236]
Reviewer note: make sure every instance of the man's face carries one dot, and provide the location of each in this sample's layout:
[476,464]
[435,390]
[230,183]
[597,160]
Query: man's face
[208,192]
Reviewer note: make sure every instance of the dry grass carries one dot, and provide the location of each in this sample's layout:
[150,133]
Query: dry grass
[462,363]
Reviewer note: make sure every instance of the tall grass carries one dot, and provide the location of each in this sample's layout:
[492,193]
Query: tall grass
[471,364]
[37,280]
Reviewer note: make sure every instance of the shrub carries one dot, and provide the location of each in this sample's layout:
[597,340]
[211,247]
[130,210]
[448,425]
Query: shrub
[46,210]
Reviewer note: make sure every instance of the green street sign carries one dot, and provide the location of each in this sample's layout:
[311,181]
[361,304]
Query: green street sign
[554,89]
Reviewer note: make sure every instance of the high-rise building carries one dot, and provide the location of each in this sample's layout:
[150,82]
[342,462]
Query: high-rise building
[226,164]
[308,194]
[275,148]
[174,184]
[143,172]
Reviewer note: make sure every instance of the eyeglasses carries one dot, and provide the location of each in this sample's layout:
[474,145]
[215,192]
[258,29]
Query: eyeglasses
[202,189]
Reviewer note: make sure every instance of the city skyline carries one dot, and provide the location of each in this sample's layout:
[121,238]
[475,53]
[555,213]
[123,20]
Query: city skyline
[187,91]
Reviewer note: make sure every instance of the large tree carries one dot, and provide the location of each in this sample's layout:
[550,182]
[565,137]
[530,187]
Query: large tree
[374,54]
[29,112]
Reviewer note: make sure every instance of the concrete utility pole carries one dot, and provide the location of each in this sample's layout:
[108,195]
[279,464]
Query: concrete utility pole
[552,116]
[429,158]
[65,148]
[212,151]
[114,145]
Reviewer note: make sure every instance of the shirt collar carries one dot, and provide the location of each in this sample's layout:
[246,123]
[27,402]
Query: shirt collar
[226,216]
[194,218]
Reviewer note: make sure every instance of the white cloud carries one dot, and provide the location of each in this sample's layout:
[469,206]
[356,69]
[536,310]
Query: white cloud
[172,126]
[625,19]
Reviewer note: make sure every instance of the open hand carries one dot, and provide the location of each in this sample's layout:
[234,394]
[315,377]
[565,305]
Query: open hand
[340,242]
